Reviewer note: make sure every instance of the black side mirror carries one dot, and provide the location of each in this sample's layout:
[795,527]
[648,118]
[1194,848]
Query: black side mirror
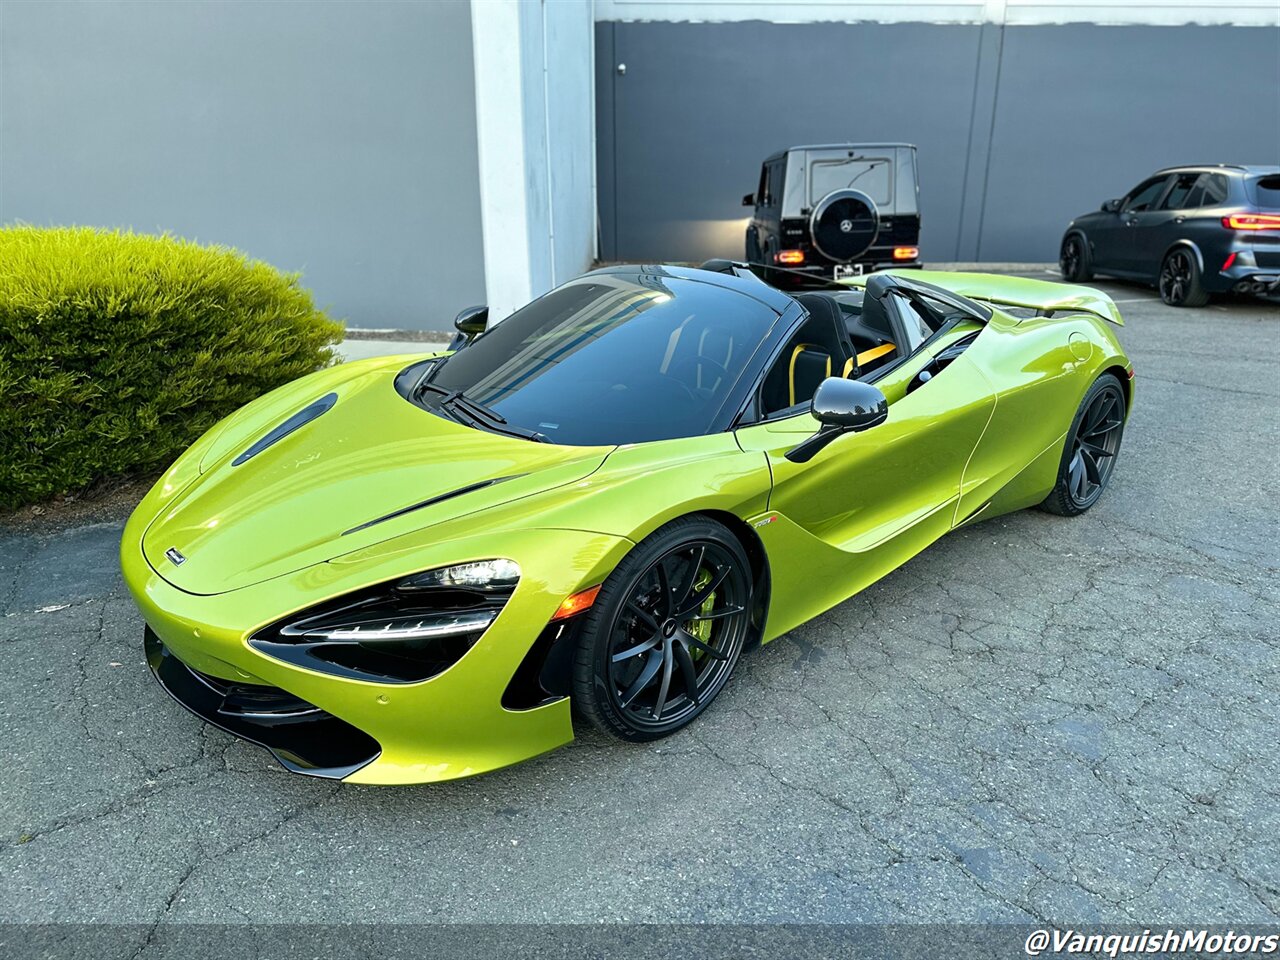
[841,406]
[1111,206]
[749,200]
[470,323]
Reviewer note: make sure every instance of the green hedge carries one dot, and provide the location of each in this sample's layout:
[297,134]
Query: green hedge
[117,350]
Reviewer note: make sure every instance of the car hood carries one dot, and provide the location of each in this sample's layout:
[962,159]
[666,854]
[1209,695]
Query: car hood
[369,466]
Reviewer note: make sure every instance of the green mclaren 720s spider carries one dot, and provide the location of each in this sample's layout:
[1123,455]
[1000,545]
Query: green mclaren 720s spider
[416,568]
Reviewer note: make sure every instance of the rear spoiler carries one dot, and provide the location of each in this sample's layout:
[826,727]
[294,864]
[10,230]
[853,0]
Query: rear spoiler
[1044,296]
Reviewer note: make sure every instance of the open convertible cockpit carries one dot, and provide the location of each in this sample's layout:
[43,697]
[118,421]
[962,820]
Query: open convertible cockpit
[862,334]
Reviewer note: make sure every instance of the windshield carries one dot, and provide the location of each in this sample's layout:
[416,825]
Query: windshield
[612,358]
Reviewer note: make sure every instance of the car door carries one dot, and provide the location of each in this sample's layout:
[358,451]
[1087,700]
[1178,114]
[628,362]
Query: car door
[1111,236]
[1162,226]
[1139,215]
[1202,219]
[766,220]
[868,501]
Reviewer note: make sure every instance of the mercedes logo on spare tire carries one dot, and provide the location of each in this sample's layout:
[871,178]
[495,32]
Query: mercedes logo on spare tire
[844,225]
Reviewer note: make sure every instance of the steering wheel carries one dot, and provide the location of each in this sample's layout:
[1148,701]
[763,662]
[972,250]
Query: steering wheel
[697,363]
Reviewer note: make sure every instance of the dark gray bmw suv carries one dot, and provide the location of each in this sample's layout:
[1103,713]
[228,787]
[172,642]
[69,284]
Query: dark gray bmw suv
[1191,231]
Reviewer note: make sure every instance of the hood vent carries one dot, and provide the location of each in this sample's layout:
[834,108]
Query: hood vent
[426,503]
[301,418]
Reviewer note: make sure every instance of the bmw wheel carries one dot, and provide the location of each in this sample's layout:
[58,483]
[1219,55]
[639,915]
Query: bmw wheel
[665,631]
[1074,260]
[1092,446]
[1180,280]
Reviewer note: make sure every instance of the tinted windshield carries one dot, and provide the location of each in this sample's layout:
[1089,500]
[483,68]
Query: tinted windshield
[612,358]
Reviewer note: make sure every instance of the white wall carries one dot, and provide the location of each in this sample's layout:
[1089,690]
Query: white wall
[535,120]
[332,137]
[570,85]
[1151,12]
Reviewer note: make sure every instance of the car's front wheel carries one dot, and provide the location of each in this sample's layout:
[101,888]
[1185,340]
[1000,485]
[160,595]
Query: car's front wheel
[665,631]
[1180,284]
[1074,260]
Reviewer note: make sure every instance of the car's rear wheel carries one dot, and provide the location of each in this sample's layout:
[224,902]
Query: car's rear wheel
[1180,284]
[665,631]
[1092,446]
[1074,260]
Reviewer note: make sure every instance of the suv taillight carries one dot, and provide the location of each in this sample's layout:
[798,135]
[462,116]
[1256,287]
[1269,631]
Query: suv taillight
[1252,221]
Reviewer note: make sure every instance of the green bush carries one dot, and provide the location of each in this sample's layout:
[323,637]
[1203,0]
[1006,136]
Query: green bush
[117,350]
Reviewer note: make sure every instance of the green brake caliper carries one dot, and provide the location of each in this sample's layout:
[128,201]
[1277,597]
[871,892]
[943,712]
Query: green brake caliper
[701,629]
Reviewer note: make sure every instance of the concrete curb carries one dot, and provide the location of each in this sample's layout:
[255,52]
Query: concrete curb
[963,267]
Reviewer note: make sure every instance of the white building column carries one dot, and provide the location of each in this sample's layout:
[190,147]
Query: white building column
[535,123]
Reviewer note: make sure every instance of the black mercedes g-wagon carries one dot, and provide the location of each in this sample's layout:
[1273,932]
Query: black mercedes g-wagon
[837,210]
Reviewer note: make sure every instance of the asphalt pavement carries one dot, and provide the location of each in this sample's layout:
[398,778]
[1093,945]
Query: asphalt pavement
[1037,720]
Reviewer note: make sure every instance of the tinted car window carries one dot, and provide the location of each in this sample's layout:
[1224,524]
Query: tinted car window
[872,175]
[772,184]
[1144,195]
[613,358]
[1266,193]
[1214,190]
[1179,197]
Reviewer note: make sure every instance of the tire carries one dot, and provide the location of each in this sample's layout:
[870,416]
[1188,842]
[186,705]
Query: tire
[1074,260]
[1180,282]
[645,667]
[1093,443]
[844,224]
[753,246]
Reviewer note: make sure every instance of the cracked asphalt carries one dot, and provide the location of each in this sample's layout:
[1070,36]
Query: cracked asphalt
[1037,720]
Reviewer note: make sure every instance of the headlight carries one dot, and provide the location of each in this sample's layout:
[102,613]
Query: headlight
[482,575]
[399,632]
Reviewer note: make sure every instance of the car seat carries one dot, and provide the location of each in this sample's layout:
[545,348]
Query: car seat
[872,335]
[808,367]
[869,332]
[817,351]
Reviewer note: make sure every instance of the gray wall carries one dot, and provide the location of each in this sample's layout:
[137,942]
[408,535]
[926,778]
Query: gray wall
[1019,128]
[331,137]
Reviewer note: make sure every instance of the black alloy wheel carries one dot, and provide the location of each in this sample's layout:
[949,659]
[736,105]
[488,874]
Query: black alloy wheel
[665,631]
[1074,261]
[1180,280]
[1092,447]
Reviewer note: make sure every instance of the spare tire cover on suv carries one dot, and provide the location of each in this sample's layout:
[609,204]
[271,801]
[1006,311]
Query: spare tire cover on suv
[844,224]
